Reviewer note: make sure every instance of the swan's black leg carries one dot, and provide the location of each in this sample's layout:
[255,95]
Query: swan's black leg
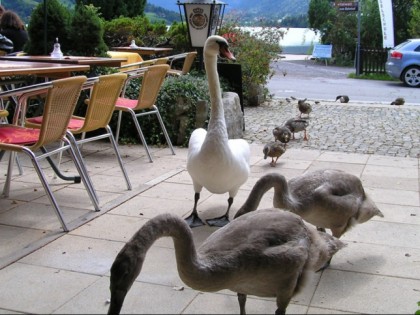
[193,219]
[242,301]
[224,219]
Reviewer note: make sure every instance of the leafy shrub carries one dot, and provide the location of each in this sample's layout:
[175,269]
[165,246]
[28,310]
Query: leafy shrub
[121,31]
[86,24]
[254,52]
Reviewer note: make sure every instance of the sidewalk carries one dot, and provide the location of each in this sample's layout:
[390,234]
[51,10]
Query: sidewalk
[50,272]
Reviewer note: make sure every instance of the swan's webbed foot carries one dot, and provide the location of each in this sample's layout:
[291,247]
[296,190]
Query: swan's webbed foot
[224,219]
[219,222]
[194,220]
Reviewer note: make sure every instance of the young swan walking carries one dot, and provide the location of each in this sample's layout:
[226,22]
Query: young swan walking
[266,253]
[329,199]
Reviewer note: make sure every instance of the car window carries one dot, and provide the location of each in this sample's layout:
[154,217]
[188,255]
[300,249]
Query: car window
[401,45]
[417,48]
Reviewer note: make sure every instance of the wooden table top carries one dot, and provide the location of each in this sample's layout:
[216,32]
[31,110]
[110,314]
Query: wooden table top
[159,51]
[78,60]
[10,68]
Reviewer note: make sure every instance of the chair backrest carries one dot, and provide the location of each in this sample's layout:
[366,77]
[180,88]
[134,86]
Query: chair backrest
[189,60]
[101,103]
[132,57]
[150,86]
[162,61]
[59,106]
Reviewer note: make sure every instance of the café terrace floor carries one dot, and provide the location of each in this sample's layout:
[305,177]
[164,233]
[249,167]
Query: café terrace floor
[46,271]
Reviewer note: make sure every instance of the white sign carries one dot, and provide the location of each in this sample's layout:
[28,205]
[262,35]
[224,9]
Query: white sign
[385,10]
[322,51]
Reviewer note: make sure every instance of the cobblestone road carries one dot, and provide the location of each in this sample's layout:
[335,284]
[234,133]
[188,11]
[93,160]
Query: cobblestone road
[354,128]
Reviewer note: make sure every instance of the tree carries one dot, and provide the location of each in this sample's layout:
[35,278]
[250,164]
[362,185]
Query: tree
[87,25]
[58,19]
[110,9]
[402,16]
[414,24]
[371,29]
[320,15]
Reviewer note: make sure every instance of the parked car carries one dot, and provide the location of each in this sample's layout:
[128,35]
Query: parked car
[403,62]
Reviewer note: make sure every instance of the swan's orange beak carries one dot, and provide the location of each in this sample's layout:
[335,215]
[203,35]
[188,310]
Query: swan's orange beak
[225,53]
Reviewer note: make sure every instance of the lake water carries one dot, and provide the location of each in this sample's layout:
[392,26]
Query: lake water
[299,41]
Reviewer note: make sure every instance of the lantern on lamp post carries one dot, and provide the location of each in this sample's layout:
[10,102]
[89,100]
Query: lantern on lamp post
[203,18]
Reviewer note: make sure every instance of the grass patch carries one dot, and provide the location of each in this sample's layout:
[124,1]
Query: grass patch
[371,76]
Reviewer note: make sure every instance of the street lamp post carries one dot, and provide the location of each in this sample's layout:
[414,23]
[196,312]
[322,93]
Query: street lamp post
[203,18]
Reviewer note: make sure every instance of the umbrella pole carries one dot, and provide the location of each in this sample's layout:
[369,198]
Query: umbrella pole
[45,28]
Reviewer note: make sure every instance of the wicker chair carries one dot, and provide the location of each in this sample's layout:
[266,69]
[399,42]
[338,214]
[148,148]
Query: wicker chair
[101,106]
[152,79]
[60,102]
[186,66]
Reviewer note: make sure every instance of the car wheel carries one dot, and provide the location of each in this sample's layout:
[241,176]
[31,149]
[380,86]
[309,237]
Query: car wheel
[411,76]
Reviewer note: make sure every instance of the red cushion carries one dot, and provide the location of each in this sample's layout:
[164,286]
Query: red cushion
[73,124]
[126,102]
[35,120]
[18,135]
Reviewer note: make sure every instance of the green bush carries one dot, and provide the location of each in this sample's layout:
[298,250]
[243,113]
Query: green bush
[254,52]
[121,31]
[86,24]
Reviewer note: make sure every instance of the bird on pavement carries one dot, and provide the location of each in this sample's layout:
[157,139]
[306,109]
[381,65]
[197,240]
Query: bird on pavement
[267,253]
[273,149]
[297,125]
[342,98]
[398,101]
[215,162]
[282,134]
[327,198]
[304,107]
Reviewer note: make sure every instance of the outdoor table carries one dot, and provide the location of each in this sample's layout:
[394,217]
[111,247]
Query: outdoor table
[146,51]
[51,70]
[10,68]
[77,60]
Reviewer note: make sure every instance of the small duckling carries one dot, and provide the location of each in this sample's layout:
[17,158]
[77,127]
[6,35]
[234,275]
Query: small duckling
[342,98]
[274,149]
[297,125]
[398,101]
[282,134]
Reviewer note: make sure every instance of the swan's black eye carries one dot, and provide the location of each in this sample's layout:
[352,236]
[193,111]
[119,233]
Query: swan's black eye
[222,43]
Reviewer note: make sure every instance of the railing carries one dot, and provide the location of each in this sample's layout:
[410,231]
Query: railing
[372,60]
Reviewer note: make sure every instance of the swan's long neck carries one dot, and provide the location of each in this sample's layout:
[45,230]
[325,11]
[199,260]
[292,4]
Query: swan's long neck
[282,197]
[129,261]
[217,116]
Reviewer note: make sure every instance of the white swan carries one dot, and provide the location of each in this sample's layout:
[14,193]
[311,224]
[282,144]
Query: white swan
[328,198]
[215,162]
[266,253]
